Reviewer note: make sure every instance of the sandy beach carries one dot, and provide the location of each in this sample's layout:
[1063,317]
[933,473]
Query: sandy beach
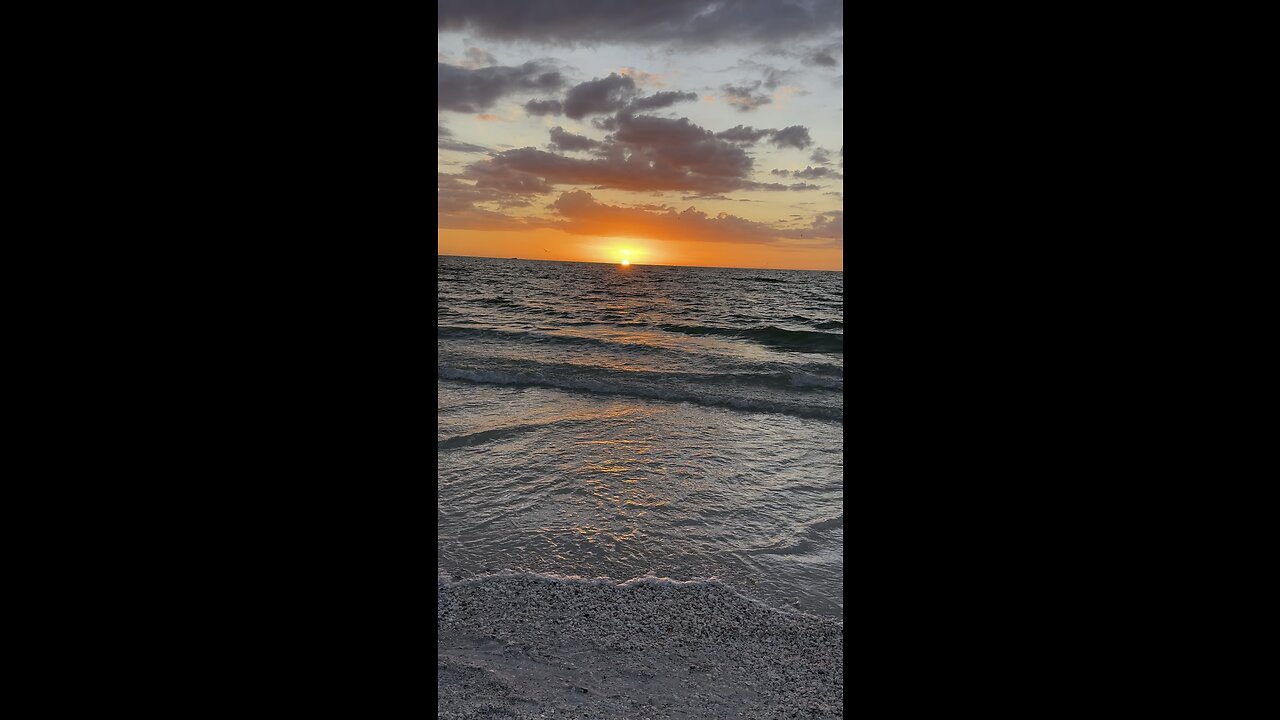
[535,646]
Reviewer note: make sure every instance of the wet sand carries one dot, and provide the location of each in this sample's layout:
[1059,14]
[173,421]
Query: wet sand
[533,646]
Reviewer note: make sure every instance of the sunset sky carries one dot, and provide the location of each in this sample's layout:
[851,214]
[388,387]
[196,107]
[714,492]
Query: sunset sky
[674,132]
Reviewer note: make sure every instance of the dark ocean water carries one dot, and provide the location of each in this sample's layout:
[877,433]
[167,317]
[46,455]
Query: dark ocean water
[603,421]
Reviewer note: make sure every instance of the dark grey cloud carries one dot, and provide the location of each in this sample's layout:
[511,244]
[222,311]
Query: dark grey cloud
[467,90]
[660,100]
[680,143]
[565,141]
[683,22]
[796,136]
[441,130]
[813,173]
[459,146]
[744,134]
[643,153]
[491,175]
[824,55]
[809,173]
[743,97]
[599,96]
[822,156]
[774,77]
[543,107]
[829,225]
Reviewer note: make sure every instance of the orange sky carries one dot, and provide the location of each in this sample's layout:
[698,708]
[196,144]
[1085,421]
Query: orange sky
[704,143]
[556,245]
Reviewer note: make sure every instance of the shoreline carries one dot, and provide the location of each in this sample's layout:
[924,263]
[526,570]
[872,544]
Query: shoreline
[525,645]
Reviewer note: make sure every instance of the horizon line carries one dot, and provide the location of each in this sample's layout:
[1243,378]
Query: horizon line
[637,264]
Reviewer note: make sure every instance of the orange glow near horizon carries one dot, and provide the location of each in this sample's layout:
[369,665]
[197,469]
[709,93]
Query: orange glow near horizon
[546,244]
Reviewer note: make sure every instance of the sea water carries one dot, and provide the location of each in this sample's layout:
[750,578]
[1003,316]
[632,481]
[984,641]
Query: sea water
[616,421]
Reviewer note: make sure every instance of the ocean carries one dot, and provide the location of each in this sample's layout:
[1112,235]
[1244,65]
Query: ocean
[601,421]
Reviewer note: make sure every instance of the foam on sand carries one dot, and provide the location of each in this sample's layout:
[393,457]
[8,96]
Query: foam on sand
[523,645]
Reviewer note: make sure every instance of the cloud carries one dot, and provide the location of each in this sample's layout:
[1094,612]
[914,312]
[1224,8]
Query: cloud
[660,100]
[583,215]
[565,141]
[544,107]
[491,175]
[642,78]
[477,57]
[744,134]
[443,142]
[822,156]
[681,144]
[682,22]
[466,90]
[459,146]
[487,118]
[796,136]
[607,123]
[579,213]
[456,206]
[599,96]
[828,225]
[809,173]
[772,77]
[742,97]
[824,55]
[644,153]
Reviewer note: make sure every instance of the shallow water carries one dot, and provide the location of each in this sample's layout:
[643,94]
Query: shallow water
[595,420]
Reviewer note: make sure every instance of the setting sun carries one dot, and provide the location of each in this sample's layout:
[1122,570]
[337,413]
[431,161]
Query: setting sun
[626,261]
[571,150]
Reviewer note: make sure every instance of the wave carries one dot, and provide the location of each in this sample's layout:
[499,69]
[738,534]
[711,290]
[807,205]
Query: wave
[797,340]
[832,325]
[577,583]
[544,337]
[484,436]
[710,391]
[809,341]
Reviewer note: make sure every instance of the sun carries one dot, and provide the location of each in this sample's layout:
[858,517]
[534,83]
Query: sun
[626,261]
